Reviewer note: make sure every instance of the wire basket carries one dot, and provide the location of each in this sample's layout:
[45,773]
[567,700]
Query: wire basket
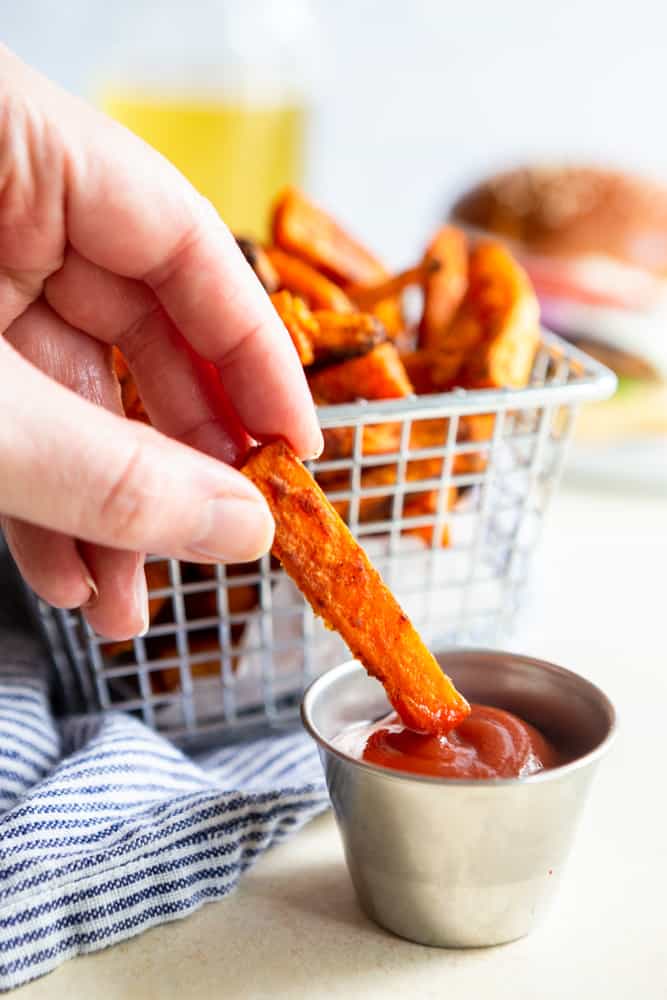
[451,526]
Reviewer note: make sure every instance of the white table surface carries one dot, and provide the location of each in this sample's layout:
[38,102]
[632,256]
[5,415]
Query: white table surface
[293,928]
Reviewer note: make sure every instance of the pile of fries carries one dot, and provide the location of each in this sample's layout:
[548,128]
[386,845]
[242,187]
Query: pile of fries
[479,328]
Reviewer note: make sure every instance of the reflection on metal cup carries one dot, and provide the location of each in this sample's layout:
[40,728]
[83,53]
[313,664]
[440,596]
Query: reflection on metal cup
[461,863]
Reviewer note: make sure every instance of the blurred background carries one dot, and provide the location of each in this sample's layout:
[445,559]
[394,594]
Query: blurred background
[385,111]
[408,101]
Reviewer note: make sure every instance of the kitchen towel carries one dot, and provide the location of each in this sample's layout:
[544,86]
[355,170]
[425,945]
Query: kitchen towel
[106,829]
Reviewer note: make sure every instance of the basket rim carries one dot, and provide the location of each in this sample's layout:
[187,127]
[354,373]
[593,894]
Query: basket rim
[597,382]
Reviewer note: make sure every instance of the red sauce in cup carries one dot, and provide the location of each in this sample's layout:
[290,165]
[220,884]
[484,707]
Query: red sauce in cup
[489,743]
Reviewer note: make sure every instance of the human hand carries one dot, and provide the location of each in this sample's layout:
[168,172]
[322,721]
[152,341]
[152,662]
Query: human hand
[103,242]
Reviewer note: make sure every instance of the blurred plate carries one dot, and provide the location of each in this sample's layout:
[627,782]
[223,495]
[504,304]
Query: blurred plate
[636,464]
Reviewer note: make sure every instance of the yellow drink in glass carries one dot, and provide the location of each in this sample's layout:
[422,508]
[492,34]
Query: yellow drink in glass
[237,155]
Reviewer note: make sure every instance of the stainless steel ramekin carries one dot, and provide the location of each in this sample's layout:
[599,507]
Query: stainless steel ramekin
[461,863]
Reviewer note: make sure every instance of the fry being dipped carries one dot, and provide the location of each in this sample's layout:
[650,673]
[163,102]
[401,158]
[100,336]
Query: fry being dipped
[334,573]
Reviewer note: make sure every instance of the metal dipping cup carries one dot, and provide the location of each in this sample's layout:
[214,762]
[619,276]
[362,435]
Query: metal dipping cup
[461,863]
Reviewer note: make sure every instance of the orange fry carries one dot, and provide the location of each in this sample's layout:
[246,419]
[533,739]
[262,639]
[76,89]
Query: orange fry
[445,287]
[299,321]
[302,279]
[433,370]
[303,228]
[376,439]
[260,263]
[496,330]
[345,335]
[335,575]
[377,375]
[368,296]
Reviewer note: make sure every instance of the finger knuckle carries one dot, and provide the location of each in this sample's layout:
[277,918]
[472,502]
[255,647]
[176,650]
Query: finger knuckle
[131,501]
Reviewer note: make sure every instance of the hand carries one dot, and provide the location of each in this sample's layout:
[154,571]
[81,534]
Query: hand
[102,242]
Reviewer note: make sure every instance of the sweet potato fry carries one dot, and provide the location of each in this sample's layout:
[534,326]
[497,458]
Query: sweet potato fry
[426,504]
[303,228]
[432,433]
[204,641]
[345,335]
[378,507]
[368,296]
[240,598]
[376,439]
[335,575]
[433,370]
[390,314]
[377,375]
[306,281]
[300,322]
[260,263]
[497,327]
[445,287]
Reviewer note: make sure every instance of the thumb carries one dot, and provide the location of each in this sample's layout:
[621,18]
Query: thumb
[69,465]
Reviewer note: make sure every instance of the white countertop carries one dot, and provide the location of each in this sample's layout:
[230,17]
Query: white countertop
[293,928]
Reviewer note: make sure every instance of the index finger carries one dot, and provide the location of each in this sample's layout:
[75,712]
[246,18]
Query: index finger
[131,212]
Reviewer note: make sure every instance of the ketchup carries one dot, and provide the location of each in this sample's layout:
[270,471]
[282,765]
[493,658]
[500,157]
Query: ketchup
[489,743]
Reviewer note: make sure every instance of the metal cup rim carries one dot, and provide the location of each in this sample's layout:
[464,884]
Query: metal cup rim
[552,774]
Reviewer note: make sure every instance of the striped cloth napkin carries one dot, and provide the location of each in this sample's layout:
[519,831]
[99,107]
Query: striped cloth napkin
[107,829]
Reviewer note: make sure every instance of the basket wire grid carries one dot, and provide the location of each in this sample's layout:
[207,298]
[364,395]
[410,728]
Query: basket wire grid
[233,651]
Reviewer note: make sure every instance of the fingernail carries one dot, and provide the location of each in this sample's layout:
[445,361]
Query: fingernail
[94,592]
[141,598]
[233,530]
[319,448]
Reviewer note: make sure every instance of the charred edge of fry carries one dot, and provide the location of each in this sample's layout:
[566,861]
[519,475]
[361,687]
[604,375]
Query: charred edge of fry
[341,336]
[259,262]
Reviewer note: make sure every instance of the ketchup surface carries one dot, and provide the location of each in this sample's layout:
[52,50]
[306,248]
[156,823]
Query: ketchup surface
[489,743]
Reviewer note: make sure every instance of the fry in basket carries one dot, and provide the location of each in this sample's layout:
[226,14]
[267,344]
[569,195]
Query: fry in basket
[379,507]
[240,599]
[324,336]
[426,504]
[377,375]
[303,279]
[303,228]
[204,641]
[433,433]
[445,287]
[334,573]
[497,326]
[376,439]
[260,262]
[368,296]
[300,322]
[340,336]
[433,370]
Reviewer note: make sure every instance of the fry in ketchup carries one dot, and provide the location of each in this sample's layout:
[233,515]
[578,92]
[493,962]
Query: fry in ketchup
[489,743]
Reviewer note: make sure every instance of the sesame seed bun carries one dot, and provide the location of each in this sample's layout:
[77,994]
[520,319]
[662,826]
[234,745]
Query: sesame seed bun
[569,211]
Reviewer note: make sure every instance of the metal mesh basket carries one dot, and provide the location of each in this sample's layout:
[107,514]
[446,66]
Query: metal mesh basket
[231,648]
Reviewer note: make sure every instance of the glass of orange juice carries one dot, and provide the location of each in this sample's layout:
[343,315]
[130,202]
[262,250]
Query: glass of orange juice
[217,86]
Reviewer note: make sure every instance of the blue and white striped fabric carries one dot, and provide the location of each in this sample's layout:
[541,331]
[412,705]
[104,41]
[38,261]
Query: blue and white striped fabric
[106,829]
